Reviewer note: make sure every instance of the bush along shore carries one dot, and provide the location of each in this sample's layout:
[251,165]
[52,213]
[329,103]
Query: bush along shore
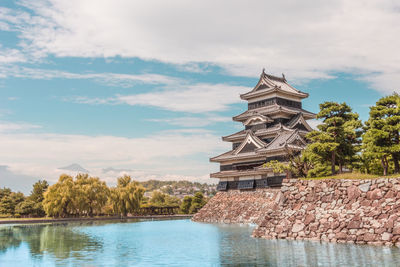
[45,220]
[85,196]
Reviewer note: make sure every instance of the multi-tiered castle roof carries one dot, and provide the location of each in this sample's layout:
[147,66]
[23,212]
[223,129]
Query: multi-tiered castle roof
[275,123]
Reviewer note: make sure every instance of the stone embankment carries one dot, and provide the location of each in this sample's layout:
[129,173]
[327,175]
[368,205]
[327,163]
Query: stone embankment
[343,211]
[235,206]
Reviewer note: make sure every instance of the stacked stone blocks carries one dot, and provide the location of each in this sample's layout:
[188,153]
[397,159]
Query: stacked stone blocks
[335,210]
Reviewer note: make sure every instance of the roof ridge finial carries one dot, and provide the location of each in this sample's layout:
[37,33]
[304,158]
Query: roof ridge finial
[283,77]
[263,72]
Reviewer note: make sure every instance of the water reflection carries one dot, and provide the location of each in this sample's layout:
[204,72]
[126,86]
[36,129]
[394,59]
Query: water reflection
[173,243]
[61,241]
[238,249]
[8,239]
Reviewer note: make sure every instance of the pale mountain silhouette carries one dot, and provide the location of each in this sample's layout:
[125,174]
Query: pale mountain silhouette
[75,168]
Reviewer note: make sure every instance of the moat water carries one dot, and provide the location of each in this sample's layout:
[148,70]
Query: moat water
[172,243]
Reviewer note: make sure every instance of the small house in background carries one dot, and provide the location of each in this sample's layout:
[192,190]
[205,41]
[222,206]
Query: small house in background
[274,123]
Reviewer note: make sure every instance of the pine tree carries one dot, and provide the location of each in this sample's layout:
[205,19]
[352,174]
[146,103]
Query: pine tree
[338,138]
[186,203]
[382,131]
[198,202]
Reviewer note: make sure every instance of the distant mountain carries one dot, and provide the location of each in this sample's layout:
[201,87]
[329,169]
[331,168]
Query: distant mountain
[75,168]
[15,181]
[111,169]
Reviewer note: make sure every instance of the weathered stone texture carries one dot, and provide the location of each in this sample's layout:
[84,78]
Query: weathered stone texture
[235,206]
[354,211]
[350,211]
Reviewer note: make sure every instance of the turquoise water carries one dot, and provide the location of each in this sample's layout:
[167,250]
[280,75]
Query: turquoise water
[172,243]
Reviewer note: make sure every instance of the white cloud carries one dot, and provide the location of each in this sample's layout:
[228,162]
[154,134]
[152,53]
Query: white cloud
[12,126]
[194,98]
[194,121]
[305,39]
[11,20]
[386,82]
[113,79]
[314,123]
[166,154]
[8,55]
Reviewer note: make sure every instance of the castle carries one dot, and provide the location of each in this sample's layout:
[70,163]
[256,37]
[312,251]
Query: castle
[275,125]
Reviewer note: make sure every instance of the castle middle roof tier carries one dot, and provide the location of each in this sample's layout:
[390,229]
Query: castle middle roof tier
[274,111]
[253,147]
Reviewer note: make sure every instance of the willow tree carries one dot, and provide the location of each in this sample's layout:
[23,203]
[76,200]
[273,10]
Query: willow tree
[59,198]
[126,196]
[382,132]
[338,138]
[91,194]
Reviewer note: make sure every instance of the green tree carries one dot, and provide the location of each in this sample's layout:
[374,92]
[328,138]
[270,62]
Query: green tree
[38,190]
[26,207]
[82,196]
[198,202]
[338,138]
[126,196]
[186,203]
[172,201]
[296,163]
[9,201]
[157,198]
[382,132]
[91,194]
[59,198]
[34,202]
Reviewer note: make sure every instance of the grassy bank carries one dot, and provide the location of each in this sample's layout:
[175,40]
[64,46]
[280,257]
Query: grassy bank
[88,219]
[352,176]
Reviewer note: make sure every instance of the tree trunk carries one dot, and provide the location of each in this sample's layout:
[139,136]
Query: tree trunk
[333,163]
[384,165]
[340,167]
[396,162]
[395,156]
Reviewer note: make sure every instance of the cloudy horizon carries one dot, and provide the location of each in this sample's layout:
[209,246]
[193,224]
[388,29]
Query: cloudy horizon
[148,88]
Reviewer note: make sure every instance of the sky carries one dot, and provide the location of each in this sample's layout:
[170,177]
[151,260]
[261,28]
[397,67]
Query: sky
[148,88]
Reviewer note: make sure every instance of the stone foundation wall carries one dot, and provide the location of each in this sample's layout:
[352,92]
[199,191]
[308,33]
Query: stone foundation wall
[343,211]
[235,206]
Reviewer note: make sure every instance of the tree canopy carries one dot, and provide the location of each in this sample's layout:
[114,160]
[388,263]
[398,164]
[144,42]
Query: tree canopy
[126,196]
[338,138]
[382,131]
[9,201]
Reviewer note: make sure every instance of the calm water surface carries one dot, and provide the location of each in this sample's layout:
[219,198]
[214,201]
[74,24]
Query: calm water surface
[172,243]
